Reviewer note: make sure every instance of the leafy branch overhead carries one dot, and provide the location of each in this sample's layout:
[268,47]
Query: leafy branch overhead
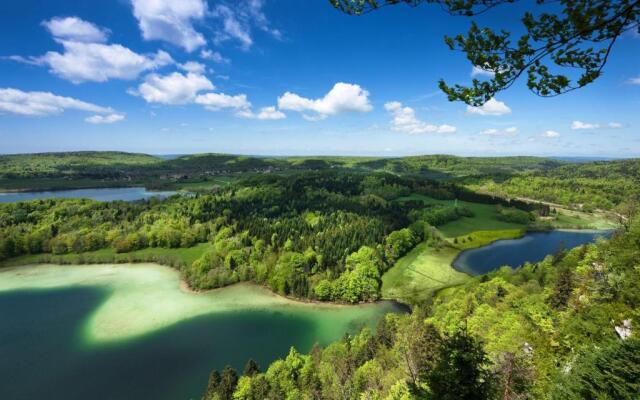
[564,47]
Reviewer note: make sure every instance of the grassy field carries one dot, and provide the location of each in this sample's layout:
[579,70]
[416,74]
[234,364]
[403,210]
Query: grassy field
[581,220]
[183,255]
[484,219]
[482,238]
[420,273]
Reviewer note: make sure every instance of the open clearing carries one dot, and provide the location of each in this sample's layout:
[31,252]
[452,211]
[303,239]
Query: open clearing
[420,273]
[485,217]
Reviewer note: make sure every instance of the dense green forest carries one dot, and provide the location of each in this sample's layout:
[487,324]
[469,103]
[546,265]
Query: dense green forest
[330,229]
[546,330]
[327,235]
[583,185]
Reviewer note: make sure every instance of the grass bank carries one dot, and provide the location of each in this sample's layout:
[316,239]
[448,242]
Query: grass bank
[427,269]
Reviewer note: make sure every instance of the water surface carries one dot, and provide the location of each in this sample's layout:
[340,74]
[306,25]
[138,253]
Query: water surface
[102,194]
[130,332]
[532,247]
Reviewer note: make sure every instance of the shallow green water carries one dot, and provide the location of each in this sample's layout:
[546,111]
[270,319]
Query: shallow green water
[129,332]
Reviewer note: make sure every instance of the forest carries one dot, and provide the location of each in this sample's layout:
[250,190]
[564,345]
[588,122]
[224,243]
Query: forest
[586,186]
[326,235]
[546,330]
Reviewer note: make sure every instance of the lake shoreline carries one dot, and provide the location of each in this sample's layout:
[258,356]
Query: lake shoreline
[185,288]
[455,264]
[102,194]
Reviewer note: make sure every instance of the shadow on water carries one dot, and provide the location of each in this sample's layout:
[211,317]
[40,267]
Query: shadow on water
[42,353]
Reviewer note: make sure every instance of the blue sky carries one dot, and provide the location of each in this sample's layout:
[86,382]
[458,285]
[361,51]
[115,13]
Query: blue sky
[280,77]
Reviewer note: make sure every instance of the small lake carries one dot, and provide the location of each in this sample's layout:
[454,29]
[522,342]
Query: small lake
[129,331]
[532,247]
[102,194]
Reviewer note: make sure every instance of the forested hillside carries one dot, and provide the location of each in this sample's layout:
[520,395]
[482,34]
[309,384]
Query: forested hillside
[72,164]
[547,330]
[602,184]
[328,235]
[580,185]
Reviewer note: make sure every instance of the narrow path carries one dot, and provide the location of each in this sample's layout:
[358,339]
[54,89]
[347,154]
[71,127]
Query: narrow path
[425,275]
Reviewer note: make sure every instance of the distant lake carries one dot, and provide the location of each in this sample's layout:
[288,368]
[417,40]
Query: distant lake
[102,194]
[533,247]
[129,332]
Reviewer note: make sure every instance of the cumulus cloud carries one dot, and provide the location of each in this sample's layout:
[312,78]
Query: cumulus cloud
[104,119]
[404,120]
[343,97]
[239,104]
[75,29]
[614,125]
[81,62]
[171,21]
[511,131]
[186,88]
[577,125]
[174,88]
[16,101]
[491,107]
[87,58]
[214,56]
[550,134]
[266,113]
[193,66]
[219,101]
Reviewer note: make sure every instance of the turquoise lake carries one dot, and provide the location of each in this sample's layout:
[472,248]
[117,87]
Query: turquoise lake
[130,332]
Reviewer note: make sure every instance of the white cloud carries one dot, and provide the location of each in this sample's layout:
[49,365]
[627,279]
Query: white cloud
[219,101]
[171,21]
[104,119]
[550,134]
[511,131]
[193,66]
[98,62]
[214,56]
[87,58]
[232,28]
[237,22]
[266,113]
[75,29]
[404,120]
[16,101]
[254,11]
[634,81]
[342,97]
[577,125]
[477,71]
[491,107]
[175,88]
[239,104]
